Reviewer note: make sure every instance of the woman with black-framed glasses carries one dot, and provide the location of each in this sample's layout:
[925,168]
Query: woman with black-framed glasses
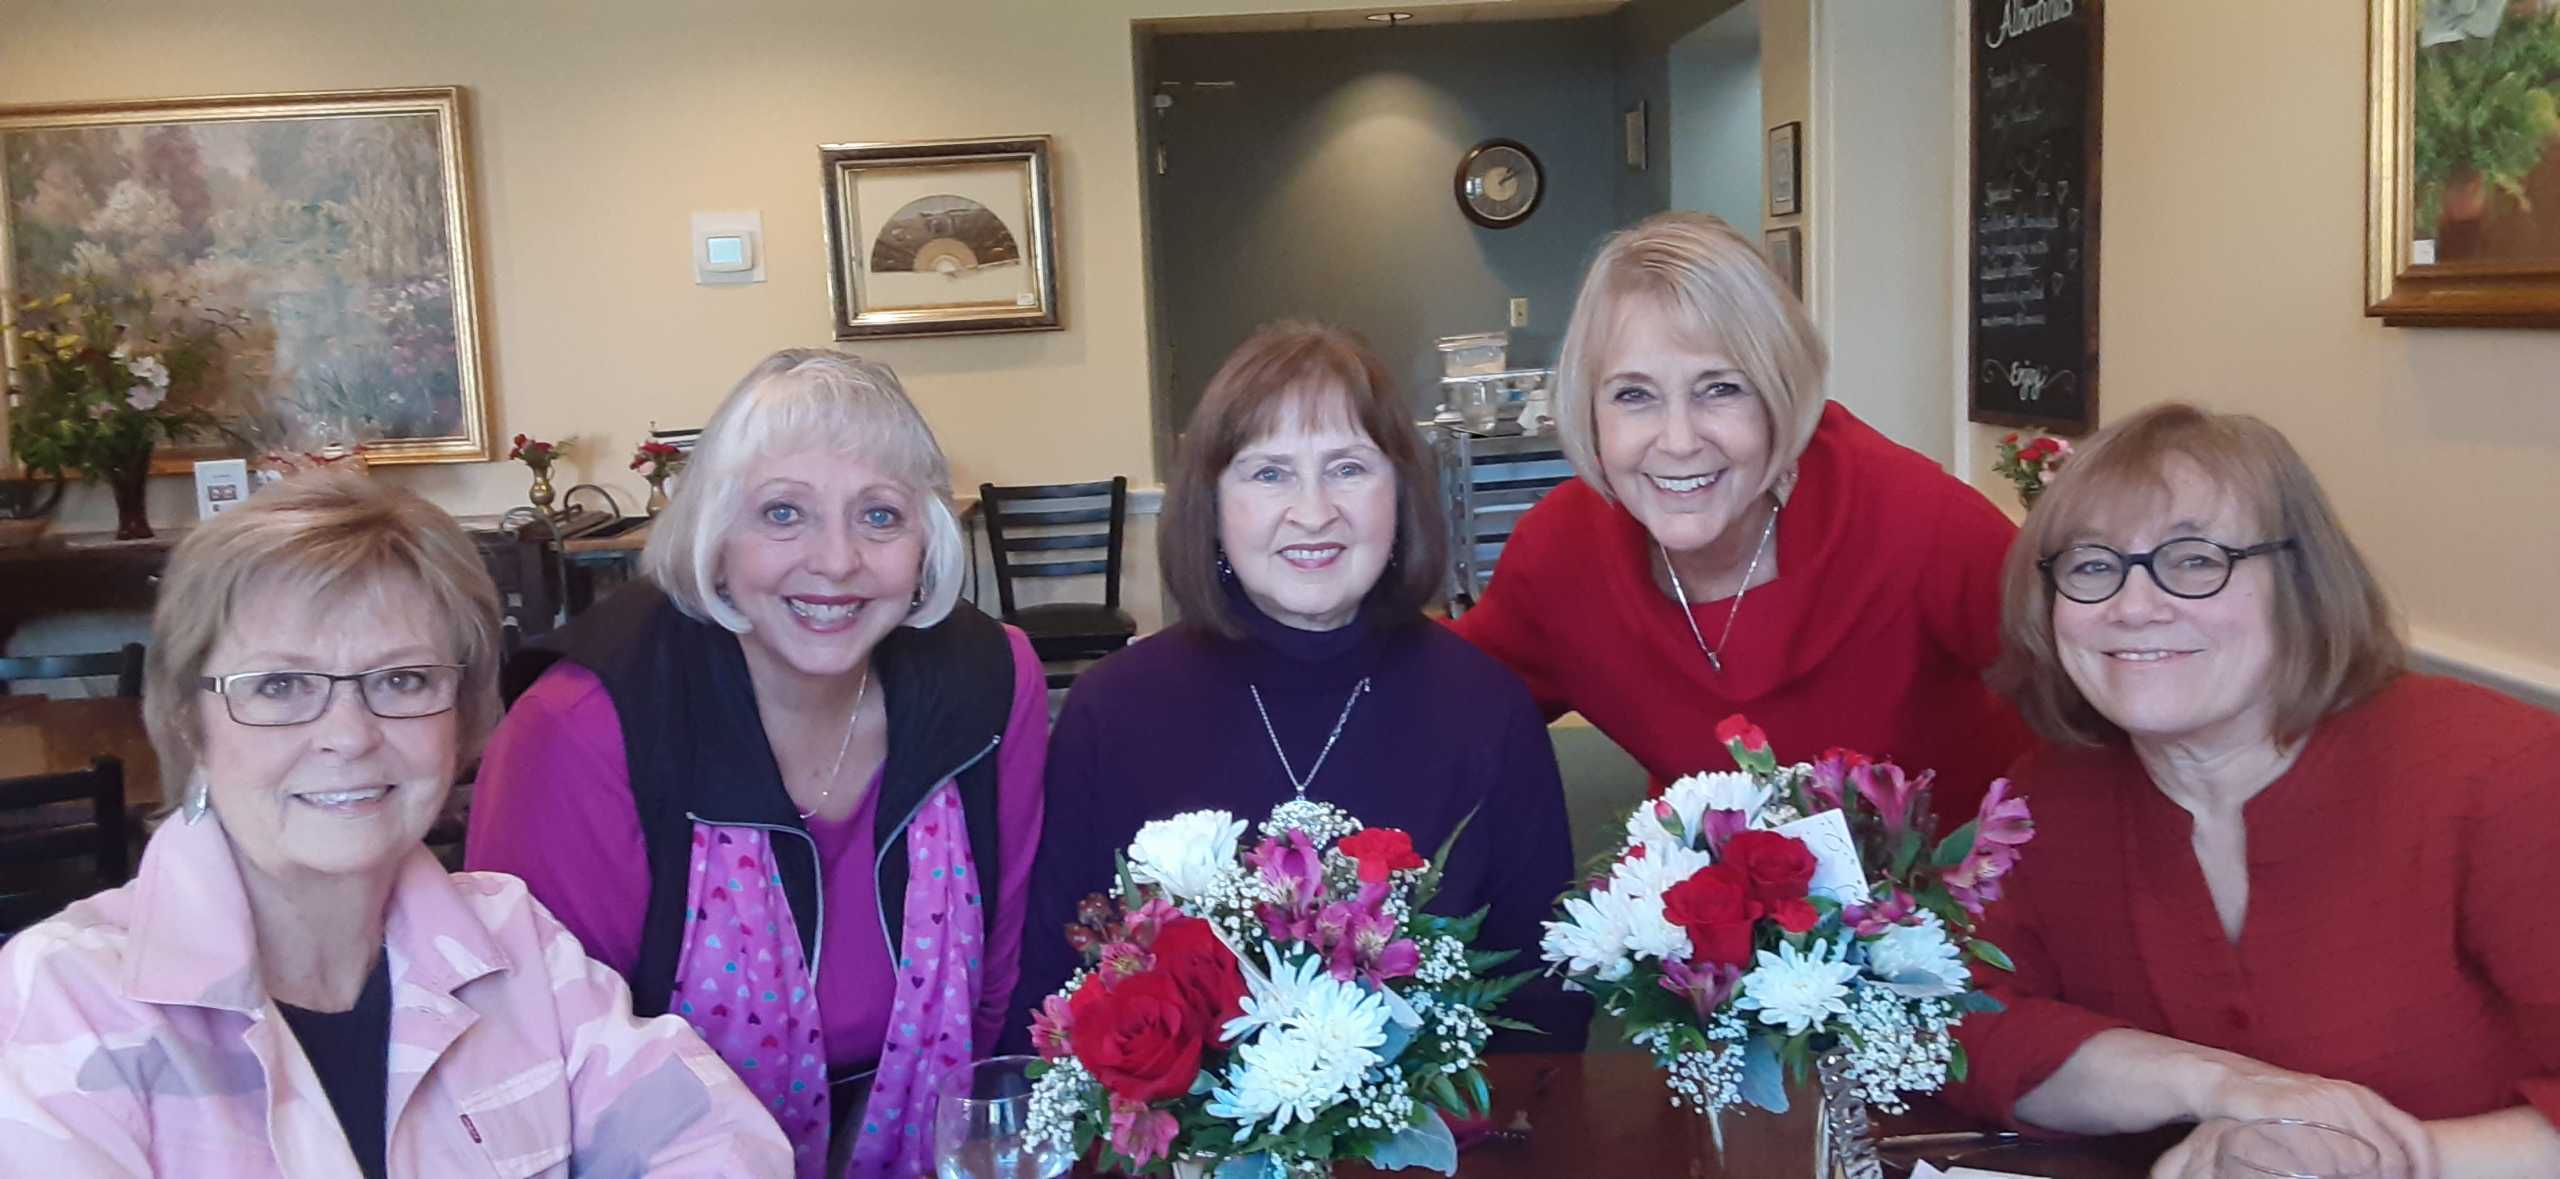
[2275,875]
[293,985]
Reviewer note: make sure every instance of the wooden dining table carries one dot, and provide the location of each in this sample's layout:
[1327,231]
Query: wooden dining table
[1606,1115]
[44,736]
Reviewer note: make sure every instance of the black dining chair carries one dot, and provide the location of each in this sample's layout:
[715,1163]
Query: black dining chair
[1044,522]
[125,665]
[51,855]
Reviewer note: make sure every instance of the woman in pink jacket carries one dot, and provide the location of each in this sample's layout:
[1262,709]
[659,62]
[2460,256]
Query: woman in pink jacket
[293,986]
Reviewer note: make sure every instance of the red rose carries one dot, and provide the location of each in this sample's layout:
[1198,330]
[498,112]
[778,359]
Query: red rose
[1714,905]
[1778,866]
[1735,728]
[1796,916]
[1204,970]
[1139,1037]
[1380,850]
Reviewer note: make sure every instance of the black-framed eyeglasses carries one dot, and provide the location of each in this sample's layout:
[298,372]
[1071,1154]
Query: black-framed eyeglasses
[273,699]
[2184,567]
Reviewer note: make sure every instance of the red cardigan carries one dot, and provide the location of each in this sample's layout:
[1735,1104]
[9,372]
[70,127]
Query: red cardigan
[2403,930]
[1874,636]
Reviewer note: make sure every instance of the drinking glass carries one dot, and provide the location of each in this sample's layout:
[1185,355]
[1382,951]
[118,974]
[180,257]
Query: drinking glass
[2290,1148]
[979,1123]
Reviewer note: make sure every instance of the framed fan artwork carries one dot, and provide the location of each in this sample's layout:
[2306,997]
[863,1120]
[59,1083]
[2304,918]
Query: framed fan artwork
[940,238]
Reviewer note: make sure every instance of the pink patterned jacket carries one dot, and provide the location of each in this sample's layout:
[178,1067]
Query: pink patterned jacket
[136,1038]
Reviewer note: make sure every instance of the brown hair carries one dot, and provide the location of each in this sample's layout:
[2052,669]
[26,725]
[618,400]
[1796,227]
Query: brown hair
[316,536]
[2336,641]
[1320,372]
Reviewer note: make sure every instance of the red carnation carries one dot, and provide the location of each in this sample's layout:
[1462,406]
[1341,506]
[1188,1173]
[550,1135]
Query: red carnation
[1714,905]
[1380,850]
[1138,1036]
[1796,916]
[1779,867]
[1735,728]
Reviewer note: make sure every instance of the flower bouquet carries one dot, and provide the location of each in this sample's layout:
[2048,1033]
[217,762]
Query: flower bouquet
[1265,1014]
[2032,465]
[657,462]
[1762,922]
[93,383]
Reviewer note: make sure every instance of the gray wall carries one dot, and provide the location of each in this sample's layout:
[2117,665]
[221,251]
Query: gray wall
[1319,186]
[1716,142]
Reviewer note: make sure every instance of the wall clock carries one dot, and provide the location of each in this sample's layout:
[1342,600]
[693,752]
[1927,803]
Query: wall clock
[1500,183]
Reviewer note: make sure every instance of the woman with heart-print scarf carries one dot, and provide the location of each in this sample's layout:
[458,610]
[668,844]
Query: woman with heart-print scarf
[790,785]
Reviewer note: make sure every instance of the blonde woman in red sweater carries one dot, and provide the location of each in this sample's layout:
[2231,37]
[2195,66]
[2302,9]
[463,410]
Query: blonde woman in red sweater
[1736,543]
[2275,875]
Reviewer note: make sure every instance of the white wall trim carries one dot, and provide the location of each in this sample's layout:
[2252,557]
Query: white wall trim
[2523,679]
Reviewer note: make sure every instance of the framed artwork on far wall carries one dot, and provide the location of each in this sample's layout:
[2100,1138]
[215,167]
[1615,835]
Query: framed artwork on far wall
[335,228]
[1786,169]
[1785,249]
[940,238]
[2462,183]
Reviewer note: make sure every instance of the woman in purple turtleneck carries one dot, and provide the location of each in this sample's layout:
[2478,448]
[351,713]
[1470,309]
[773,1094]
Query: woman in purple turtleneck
[1302,534]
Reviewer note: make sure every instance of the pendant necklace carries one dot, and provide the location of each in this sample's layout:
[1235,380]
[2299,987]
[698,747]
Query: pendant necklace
[1297,783]
[1691,616]
[824,792]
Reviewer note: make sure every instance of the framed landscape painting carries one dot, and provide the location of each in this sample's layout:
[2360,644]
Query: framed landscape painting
[333,229]
[2462,199]
[942,237]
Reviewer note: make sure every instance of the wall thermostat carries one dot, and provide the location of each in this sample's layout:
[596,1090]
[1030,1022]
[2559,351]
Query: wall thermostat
[728,248]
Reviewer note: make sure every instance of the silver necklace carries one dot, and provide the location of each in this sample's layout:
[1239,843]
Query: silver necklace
[1295,782]
[1713,660]
[828,790]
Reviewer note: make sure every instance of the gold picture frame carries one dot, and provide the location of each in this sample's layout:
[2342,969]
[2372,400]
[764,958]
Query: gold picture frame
[340,222]
[940,238]
[2473,280]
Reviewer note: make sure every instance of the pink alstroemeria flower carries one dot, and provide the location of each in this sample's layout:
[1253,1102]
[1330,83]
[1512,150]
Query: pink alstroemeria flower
[1126,960]
[1360,941]
[1050,1026]
[1892,795]
[1291,862]
[1895,907]
[2002,826]
[1141,1133]
[1706,985]
[1829,786]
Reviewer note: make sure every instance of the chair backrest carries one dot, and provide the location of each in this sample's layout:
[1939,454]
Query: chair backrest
[40,850]
[1026,520]
[125,665]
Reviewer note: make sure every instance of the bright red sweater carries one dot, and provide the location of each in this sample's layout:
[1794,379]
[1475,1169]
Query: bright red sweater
[2401,934]
[1874,637]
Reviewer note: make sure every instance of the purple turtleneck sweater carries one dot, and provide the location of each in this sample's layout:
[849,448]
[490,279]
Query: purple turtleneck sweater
[1168,725]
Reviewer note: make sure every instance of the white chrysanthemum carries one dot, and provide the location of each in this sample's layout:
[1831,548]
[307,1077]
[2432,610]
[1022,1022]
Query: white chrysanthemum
[1280,1077]
[1648,876]
[1275,994]
[150,371]
[1346,1024]
[1184,854]
[1603,934]
[1917,961]
[1796,989]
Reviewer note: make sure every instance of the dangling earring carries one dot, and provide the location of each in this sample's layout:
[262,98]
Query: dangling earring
[916,599]
[199,800]
[1226,572]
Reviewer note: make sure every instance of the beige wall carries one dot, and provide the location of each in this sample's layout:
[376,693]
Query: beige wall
[2231,263]
[598,127]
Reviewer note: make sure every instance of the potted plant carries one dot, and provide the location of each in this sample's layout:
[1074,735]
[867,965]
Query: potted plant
[657,462]
[2031,465]
[93,388]
[538,455]
[2482,117]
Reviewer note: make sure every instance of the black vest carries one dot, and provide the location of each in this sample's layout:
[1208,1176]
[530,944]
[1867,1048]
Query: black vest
[697,750]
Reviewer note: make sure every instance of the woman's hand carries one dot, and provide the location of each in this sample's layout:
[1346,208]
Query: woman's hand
[2249,1090]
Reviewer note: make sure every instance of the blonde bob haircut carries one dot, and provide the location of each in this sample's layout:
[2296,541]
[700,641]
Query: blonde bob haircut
[1713,283]
[2336,641]
[792,402]
[318,538]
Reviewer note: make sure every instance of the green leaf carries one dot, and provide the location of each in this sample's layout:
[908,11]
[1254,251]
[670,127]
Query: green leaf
[1476,1087]
[1991,954]
[1512,1025]
[1957,845]
[1481,961]
[1445,1094]
[1429,885]
[1906,852]
[1957,1063]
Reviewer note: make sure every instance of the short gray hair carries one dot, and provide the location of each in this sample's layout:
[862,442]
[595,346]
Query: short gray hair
[1722,293]
[794,401]
[318,536]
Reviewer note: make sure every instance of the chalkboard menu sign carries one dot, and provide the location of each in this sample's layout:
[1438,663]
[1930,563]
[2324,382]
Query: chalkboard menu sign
[2034,197]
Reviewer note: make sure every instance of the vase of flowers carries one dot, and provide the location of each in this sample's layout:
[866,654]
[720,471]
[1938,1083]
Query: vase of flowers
[1268,1009]
[1794,927]
[538,455]
[92,390]
[2030,466]
[657,462]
